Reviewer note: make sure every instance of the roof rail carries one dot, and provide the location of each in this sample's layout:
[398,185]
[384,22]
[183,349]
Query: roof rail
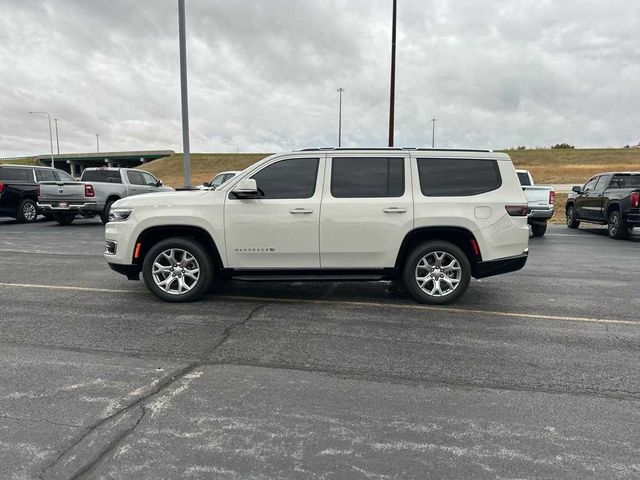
[342,149]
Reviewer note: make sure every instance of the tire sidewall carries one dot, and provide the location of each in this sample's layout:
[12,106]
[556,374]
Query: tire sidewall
[104,216]
[194,248]
[571,217]
[538,230]
[420,251]
[621,231]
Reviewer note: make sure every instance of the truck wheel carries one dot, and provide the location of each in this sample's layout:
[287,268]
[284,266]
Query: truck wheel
[538,229]
[177,270]
[27,211]
[64,218]
[617,226]
[104,216]
[437,272]
[571,218]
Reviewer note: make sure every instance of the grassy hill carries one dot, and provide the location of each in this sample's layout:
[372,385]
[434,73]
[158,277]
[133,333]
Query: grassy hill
[20,161]
[203,166]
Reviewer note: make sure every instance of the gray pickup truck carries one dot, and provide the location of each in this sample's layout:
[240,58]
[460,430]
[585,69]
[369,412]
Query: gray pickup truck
[93,195]
[541,202]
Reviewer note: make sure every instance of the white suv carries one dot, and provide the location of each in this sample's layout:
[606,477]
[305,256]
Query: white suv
[427,219]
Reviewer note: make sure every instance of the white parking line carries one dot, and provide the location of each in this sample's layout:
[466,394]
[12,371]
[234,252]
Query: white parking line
[461,311]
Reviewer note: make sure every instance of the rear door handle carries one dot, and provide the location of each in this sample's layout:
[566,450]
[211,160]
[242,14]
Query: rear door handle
[395,210]
[297,211]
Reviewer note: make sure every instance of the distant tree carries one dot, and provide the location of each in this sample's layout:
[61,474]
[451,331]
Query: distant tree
[562,146]
[627,146]
[522,147]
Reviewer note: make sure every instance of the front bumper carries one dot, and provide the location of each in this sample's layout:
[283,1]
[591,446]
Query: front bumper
[71,206]
[132,272]
[500,266]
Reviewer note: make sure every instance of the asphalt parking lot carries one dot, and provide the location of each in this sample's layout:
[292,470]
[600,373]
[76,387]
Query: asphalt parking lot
[534,374]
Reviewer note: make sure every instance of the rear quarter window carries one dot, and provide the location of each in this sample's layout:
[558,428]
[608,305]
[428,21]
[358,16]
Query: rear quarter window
[106,176]
[457,177]
[17,175]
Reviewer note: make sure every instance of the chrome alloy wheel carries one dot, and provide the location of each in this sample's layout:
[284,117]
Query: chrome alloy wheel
[29,212]
[614,225]
[175,271]
[438,274]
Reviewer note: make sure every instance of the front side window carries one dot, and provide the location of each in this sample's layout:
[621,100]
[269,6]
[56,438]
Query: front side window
[218,180]
[367,177]
[135,178]
[455,177]
[64,176]
[149,179]
[602,184]
[293,178]
[590,184]
[45,175]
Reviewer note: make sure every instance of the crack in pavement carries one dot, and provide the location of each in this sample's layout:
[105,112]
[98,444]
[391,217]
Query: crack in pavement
[39,420]
[165,382]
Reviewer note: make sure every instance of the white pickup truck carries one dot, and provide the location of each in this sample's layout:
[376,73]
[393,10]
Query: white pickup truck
[93,195]
[540,200]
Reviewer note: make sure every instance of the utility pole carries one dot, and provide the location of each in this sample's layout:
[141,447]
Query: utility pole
[98,142]
[340,90]
[433,132]
[186,158]
[50,136]
[57,139]
[392,93]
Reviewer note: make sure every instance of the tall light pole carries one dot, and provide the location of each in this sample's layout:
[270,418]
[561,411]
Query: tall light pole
[433,132]
[57,139]
[98,142]
[186,158]
[340,90]
[50,135]
[392,93]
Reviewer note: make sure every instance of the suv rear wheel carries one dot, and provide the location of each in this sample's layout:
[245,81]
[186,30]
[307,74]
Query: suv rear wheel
[27,211]
[177,269]
[437,272]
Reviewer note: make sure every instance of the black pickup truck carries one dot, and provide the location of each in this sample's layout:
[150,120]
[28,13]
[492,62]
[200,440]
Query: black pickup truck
[611,199]
[19,189]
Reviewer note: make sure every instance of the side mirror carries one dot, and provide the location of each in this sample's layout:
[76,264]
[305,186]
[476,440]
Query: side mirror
[159,183]
[206,184]
[246,188]
[577,189]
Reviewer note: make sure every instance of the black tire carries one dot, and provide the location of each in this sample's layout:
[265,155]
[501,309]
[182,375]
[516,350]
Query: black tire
[571,217]
[27,211]
[538,229]
[64,218]
[104,216]
[197,251]
[427,251]
[616,226]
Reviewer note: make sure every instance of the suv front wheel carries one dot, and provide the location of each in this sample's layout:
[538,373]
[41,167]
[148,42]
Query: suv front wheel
[437,272]
[177,269]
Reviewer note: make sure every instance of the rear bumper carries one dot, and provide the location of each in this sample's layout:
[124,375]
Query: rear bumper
[132,272]
[633,219]
[72,206]
[502,265]
[540,215]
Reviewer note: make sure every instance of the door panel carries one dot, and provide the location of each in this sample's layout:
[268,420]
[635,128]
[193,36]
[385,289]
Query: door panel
[359,231]
[277,232]
[581,201]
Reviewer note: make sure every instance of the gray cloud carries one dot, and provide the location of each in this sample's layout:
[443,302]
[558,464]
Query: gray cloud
[263,74]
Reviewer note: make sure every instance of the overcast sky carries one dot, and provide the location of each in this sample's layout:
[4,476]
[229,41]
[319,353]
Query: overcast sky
[263,74]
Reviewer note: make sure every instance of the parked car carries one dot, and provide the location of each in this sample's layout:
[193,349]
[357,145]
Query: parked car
[96,191]
[611,199]
[429,219]
[19,187]
[218,180]
[541,202]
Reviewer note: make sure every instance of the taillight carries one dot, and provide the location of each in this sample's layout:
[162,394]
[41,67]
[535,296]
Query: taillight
[1,187]
[517,210]
[552,197]
[88,190]
[635,199]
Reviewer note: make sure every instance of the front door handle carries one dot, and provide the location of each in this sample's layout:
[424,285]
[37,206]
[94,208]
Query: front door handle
[395,210]
[297,211]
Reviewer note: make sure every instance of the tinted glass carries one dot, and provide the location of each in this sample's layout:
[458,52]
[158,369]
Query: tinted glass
[364,177]
[107,176]
[603,183]
[524,179]
[295,178]
[64,176]
[218,180]
[590,184]
[149,179]
[626,181]
[451,177]
[45,175]
[16,174]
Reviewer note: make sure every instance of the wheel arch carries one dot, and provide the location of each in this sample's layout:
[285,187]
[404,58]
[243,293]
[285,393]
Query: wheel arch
[613,206]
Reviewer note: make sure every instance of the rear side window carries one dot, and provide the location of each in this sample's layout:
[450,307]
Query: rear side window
[107,176]
[524,179]
[46,175]
[294,178]
[625,181]
[456,177]
[17,174]
[366,177]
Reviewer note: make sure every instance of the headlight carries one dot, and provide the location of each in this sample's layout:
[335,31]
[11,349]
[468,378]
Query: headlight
[120,214]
